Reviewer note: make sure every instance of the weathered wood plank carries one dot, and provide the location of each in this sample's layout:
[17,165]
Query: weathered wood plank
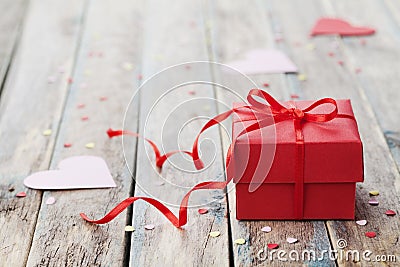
[30,105]
[236,29]
[175,34]
[10,27]
[328,78]
[61,236]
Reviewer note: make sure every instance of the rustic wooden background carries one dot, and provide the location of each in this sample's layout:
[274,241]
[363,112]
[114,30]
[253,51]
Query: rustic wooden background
[90,40]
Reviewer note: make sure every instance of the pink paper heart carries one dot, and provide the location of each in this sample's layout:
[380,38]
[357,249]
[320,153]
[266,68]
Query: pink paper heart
[264,61]
[326,26]
[73,173]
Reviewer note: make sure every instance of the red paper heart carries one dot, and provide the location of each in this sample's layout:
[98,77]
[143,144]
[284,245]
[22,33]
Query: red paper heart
[326,26]
[273,246]
[390,213]
[370,234]
[203,211]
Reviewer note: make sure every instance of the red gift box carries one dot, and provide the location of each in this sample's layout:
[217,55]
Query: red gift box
[318,184]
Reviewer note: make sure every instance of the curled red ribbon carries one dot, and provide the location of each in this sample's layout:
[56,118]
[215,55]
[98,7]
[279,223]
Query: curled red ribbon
[271,108]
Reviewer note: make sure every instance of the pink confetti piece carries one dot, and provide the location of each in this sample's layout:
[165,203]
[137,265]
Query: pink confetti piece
[83,85]
[80,106]
[188,67]
[373,201]
[20,194]
[203,211]
[103,98]
[84,118]
[50,201]
[51,79]
[140,77]
[192,92]
[61,69]
[66,145]
[149,226]
[357,70]
[266,84]
[273,246]
[390,213]
[370,234]
[331,54]
[361,222]
[294,96]
[266,229]
[70,80]
[291,240]
[340,62]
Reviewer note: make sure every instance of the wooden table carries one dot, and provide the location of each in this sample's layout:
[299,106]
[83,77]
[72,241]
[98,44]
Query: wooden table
[56,55]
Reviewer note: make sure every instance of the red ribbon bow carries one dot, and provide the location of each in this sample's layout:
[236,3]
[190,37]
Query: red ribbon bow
[271,108]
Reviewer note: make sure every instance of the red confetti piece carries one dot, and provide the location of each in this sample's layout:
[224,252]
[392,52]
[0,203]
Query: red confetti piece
[203,211]
[103,98]
[140,77]
[340,62]
[273,246]
[331,54]
[67,145]
[20,194]
[70,80]
[84,118]
[80,106]
[390,213]
[294,96]
[266,84]
[370,234]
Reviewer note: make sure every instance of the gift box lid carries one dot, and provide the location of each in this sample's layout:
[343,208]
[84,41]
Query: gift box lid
[333,149]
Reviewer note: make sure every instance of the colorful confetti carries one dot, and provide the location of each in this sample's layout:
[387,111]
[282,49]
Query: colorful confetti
[373,201]
[273,246]
[84,118]
[103,98]
[374,193]
[50,201]
[149,226]
[192,92]
[370,234]
[47,132]
[310,46]
[266,229]
[331,54]
[67,145]
[301,77]
[291,240]
[239,241]
[361,222]
[70,80]
[390,213]
[127,66]
[203,211]
[215,233]
[266,84]
[294,96]
[140,77]
[80,106]
[340,62]
[90,145]
[357,70]
[20,194]
[129,228]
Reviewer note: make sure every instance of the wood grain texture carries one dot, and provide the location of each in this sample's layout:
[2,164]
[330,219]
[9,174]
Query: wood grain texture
[328,78]
[175,34]
[29,105]
[231,39]
[61,236]
[10,27]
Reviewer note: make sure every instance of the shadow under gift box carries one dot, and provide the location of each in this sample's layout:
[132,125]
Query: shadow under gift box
[333,163]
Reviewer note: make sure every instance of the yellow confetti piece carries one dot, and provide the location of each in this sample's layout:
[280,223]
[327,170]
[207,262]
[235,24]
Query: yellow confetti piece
[215,234]
[47,132]
[240,241]
[127,66]
[302,77]
[310,46]
[88,72]
[374,193]
[89,145]
[129,228]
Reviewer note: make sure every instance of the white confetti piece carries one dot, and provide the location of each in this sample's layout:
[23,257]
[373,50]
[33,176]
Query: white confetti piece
[50,201]
[149,226]
[266,229]
[291,240]
[361,222]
